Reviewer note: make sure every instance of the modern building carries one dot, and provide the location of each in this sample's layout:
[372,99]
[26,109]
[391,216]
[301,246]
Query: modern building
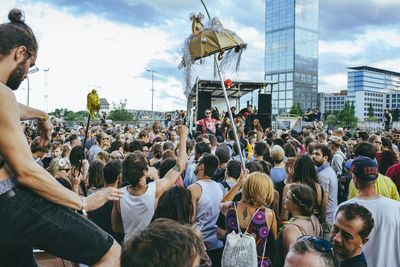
[291,52]
[367,85]
[328,102]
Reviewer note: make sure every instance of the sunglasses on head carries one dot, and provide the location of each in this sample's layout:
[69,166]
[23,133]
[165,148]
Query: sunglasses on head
[321,245]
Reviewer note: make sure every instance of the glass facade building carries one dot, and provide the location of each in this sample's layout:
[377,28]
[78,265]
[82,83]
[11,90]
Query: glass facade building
[291,52]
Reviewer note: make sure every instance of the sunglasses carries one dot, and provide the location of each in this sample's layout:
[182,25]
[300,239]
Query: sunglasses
[208,113]
[67,170]
[321,245]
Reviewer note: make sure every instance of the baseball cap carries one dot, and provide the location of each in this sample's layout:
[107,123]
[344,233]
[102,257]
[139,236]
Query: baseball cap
[365,168]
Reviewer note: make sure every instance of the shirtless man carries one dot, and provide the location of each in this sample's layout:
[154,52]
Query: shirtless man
[35,210]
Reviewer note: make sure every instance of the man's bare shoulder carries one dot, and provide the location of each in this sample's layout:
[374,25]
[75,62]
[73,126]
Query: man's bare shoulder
[6,93]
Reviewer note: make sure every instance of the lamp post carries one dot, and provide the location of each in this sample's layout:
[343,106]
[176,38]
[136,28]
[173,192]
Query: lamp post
[152,87]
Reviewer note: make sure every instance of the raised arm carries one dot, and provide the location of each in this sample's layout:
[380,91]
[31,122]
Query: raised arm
[17,155]
[44,124]
[173,175]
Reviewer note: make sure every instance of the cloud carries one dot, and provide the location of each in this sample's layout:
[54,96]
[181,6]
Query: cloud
[342,19]
[137,13]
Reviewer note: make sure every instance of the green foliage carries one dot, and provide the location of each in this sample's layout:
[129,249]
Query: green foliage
[346,117]
[331,121]
[120,113]
[296,109]
[69,115]
[370,111]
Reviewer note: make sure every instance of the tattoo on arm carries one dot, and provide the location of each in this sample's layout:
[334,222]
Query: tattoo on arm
[177,168]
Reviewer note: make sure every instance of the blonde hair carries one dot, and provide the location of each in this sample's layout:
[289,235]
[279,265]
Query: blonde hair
[58,164]
[258,189]
[277,153]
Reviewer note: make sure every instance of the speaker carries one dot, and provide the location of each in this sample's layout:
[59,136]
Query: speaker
[204,103]
[265,119]
[264,103]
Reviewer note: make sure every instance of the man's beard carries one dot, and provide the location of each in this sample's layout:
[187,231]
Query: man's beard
[17,76]
[318,164]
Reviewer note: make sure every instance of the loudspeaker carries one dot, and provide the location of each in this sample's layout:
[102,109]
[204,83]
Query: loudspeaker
[264,103]
[204,103]
[265,119]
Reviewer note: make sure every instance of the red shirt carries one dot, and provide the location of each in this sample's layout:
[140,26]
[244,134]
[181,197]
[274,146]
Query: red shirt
[394,173]
[208,123]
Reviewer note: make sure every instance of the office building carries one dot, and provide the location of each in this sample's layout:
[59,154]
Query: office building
[291,52]
[372,85]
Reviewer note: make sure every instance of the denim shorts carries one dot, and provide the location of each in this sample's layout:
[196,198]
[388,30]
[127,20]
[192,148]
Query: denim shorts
[28,221]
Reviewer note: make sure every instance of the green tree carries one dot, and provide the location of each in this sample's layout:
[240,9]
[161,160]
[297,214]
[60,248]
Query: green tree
[120,113]
[331,121]
[370,110]
[75,116]
[347,117]
[296,109]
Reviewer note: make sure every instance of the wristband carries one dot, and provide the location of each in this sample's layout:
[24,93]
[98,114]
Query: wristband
[83,209]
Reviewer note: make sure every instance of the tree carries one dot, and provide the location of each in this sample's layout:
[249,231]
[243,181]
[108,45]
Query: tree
[331,121]
[75,116]
[296,109]
[370,110]
[120,113]
[347,117]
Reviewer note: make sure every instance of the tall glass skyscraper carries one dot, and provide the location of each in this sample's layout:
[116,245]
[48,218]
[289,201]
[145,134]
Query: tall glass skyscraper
[291,52]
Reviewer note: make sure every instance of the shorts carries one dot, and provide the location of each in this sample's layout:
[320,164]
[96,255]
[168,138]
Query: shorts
[28,221]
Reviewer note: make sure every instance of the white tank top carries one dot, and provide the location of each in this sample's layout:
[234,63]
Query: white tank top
[137,211]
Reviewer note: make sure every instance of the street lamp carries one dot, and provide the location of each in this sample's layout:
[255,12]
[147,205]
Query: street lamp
[152,87]
[31,70]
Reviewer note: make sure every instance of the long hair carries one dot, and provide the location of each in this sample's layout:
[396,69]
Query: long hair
[96,174]
[175,204]
[305,172]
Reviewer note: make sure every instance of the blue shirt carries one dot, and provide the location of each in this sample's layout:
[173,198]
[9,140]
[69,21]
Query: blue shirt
[278,175]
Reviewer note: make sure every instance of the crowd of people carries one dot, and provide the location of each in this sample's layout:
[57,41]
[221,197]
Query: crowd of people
[173,196]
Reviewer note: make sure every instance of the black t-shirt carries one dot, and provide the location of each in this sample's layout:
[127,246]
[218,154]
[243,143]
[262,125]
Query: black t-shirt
[356,261]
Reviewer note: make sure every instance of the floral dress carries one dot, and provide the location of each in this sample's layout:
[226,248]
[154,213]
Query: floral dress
[258,228]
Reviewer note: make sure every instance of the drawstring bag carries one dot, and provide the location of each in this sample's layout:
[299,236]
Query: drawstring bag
[240,249]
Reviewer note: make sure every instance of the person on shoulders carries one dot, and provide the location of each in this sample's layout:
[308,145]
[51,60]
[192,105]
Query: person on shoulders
[35,209]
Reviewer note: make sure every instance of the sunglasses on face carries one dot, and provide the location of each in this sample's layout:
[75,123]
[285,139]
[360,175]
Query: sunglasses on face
[321,245]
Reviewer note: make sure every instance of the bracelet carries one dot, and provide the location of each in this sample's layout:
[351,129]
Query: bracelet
[83,209]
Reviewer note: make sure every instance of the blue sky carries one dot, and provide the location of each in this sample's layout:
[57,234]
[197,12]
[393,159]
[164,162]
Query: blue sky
[110,44]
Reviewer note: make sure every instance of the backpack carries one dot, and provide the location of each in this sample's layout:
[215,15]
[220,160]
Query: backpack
[240,249]
[344,179]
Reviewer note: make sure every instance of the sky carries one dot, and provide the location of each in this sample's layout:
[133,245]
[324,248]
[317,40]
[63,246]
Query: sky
[109,45]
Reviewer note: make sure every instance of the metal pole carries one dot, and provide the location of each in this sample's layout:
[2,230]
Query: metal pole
[215,59]
[27,101]
[229,108]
